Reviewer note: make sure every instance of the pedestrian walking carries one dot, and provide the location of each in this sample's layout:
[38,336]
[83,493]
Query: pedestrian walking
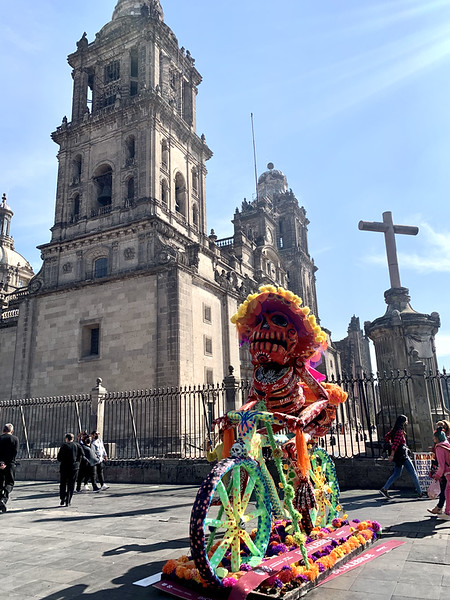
[89,463]
[442,454]
[399,455]
[102,457]
[69,455]
[9,446]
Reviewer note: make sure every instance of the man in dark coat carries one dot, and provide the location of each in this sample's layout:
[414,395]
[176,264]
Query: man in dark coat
[9,446]
[69,456]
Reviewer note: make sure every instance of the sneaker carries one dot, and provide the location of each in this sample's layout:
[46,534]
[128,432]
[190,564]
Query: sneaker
[385,494]
[105,487]
[2,507]
[435,511]
[445,516]
[97,490]
[78,491]
[86,488]
[422,496]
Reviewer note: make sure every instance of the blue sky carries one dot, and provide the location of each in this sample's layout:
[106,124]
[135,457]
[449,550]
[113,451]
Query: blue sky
[350,100]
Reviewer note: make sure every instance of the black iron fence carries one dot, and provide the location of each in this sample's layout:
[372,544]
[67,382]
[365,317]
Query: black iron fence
[175,422]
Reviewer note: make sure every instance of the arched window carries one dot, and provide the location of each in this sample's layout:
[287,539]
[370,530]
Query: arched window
[130,188]
[180,194]
[195,215]
[165,153]
[100,268]
[164,192]
[130,150]
[103,186]
[76,169]
[195,180]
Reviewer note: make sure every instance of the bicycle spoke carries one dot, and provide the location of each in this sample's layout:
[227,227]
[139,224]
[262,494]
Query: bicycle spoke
[236,553]
[248,492]
[223,547]
[216,523]
[236,492]
[224,498]
[251,546]
[253,515]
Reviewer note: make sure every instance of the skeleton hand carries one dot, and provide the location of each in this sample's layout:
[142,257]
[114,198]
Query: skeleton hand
[291,422]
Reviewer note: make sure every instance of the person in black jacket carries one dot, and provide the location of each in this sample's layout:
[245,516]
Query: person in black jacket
[69,456]
[9,446]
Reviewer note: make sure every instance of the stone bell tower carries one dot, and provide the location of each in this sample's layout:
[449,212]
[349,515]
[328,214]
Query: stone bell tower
[130,150]
[115,293]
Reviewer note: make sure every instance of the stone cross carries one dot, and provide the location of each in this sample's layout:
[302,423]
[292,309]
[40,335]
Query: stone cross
[389,230]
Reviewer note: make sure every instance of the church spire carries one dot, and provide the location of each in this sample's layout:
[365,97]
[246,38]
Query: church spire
[5,221]
[125,8]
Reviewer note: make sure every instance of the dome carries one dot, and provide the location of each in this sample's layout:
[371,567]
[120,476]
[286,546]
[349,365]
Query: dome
[125,8]
[9,257]
[272,182]
[4,206]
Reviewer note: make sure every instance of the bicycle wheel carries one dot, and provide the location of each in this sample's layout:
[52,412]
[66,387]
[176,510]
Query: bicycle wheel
[326,488]
[223,515]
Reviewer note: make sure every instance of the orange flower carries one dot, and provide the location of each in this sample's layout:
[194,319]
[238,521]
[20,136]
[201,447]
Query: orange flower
[169,567]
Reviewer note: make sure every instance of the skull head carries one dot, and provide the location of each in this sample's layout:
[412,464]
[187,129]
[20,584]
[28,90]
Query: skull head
[238,450]
[273,339]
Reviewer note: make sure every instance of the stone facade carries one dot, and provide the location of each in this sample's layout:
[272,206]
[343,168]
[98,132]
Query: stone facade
[132,287]
[355,350]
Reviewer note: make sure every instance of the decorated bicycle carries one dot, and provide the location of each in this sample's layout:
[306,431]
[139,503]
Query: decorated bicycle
[285,393]
[241,504]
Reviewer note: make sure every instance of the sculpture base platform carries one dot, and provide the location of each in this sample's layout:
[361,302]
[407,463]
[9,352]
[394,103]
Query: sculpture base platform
[279,576]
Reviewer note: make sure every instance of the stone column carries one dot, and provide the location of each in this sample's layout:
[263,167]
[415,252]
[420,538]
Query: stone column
[98,407]
[420,418]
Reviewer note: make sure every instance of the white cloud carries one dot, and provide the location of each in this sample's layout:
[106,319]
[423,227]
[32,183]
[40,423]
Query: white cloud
[443,350]
[435,257]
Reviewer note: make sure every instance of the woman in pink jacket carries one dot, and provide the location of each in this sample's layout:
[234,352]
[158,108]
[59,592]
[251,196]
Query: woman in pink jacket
[442,452]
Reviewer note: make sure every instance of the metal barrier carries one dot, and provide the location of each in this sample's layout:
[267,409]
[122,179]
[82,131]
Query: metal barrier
[174,422]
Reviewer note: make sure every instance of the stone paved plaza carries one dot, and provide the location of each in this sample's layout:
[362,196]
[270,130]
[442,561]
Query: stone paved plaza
[104,543]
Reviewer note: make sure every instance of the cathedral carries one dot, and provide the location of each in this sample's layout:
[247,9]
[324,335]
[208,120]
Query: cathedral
[133,288]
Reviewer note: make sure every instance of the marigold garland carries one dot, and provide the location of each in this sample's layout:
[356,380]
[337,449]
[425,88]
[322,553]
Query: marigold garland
[282,541]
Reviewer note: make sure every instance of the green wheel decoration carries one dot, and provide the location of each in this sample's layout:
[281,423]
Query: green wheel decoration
[223,516]
[326,488]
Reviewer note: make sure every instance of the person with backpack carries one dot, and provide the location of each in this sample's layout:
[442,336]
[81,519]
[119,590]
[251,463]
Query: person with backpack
[89,462]
[399,455]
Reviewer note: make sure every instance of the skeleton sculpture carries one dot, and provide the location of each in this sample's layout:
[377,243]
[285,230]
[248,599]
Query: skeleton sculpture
[284,339]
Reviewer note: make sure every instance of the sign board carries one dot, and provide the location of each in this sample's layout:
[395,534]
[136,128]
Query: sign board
[422,462]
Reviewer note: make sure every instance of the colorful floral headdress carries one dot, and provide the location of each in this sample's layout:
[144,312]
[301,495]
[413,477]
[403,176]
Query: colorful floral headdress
[312,339]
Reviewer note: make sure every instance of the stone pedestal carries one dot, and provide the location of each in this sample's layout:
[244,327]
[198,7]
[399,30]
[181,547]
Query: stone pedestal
[404,341]
[401,331]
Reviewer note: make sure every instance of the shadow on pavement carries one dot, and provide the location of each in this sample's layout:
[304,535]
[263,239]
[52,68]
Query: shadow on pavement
[125,590]
[131,513]
[172,544]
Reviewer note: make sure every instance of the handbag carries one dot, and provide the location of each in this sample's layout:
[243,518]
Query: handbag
[401,455]
[434,489]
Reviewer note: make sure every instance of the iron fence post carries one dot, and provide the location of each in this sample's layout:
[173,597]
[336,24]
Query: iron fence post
[230,383]
[420,417]
[98,407]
